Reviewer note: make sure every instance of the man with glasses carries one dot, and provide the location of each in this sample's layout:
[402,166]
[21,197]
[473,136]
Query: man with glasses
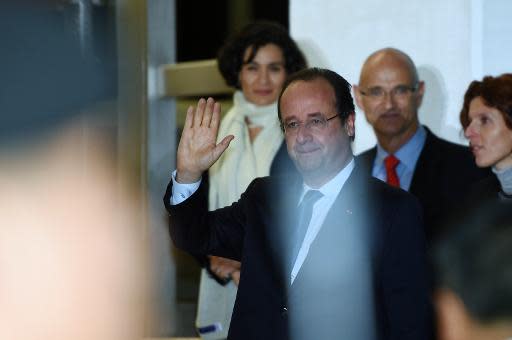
[323,251]
[408,155]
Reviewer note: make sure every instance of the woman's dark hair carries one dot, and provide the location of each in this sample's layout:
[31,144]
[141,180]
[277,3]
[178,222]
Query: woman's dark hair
[255,35]
[496,92]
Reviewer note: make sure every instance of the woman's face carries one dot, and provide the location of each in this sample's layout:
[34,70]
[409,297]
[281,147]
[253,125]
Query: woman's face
[261,79]
[489,137]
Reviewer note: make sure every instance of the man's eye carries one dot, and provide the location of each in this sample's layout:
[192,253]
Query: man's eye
[292,125]
[401,90]
[315,122]
[375,91]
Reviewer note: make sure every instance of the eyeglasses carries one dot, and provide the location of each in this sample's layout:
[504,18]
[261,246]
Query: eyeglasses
[399,92]
[312,124]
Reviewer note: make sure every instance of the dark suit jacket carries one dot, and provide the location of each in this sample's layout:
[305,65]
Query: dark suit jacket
[281,165]
[486,191]
[442,178]
[365,272]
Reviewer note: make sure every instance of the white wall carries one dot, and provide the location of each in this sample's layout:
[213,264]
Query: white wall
[452,42]
[497,36]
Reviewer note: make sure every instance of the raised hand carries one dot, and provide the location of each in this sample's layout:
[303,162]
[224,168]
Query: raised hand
[198,148]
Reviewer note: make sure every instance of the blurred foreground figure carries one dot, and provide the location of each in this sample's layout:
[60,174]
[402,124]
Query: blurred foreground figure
[474,270]
[71,252]
[71,257]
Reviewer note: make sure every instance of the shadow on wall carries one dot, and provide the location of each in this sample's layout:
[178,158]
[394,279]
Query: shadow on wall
[433,111]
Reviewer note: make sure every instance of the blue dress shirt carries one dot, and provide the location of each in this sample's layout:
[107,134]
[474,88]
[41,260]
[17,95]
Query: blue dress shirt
[408,155]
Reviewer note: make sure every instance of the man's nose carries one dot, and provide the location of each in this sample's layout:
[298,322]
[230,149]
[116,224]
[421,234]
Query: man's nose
[389,100]
[303,134]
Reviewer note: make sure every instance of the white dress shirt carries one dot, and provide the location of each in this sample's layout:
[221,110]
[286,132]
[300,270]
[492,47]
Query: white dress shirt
[330,191]
[182,191]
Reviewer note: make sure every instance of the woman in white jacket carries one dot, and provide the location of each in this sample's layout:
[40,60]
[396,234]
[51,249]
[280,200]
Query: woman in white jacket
[256,61]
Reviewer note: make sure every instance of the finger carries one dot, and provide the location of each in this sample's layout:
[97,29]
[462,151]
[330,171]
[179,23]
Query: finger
[208,111]
[189,119]
[198,116]
[215,116]
[222,146]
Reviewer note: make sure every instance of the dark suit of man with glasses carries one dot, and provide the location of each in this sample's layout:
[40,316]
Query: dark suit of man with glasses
[330,254]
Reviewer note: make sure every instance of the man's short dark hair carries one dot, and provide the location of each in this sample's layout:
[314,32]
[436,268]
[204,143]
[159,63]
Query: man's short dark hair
[344,102]
[475,262]
[258,34]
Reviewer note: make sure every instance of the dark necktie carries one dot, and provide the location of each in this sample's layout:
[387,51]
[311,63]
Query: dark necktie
[305,211]
[391,163]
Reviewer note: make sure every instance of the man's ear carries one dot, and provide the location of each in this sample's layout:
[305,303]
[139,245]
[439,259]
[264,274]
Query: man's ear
[350,125]
[420,92]
[357,96]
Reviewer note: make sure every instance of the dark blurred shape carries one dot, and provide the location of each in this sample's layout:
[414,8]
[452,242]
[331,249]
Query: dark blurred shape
[219,19]
[54,63]
[473,266]
[272,10]
[200,41]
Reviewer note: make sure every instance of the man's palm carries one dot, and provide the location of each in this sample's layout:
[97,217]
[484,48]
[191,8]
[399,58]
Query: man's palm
[198,150]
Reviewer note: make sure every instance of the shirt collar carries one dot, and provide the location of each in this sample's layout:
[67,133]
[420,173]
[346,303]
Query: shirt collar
[408,153]
[333,187]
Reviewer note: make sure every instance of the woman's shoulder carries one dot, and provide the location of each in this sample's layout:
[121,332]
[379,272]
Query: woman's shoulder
[485,189]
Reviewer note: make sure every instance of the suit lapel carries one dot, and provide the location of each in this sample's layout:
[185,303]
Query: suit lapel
[365,160]
[281,224]
[426,165]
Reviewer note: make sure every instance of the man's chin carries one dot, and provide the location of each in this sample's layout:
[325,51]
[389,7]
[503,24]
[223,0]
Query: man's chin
[388,129]
[308,166]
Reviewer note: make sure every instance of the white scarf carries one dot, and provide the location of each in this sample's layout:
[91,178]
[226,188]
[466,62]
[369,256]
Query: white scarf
[243,161]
